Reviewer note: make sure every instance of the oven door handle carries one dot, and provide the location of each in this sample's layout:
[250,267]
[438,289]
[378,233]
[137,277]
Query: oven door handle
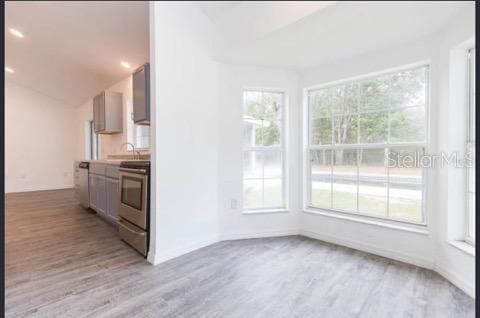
[129,229]
[142,171]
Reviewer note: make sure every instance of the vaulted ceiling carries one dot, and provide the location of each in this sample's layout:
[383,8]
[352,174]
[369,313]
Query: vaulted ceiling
[72,50]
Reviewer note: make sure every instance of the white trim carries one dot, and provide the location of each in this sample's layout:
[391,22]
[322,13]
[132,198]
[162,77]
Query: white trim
[372,249]
[463,246]
[265,211]
[251,235]
[156,259]
[66,187]
[466,286]
[424,63]
[361,218]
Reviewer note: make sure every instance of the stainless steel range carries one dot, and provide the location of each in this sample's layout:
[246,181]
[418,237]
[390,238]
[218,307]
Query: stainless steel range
[134,205]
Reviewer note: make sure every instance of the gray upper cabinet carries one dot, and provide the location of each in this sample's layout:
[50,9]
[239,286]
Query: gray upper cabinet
[141,95]
[107,113]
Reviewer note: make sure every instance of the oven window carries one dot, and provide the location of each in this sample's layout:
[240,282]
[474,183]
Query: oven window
[132,192]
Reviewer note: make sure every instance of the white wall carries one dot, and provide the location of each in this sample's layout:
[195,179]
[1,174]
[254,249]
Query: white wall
[233,223]
[453,40]
[39,141]
[109,144]
[197,154]
[444,186]
[184,213]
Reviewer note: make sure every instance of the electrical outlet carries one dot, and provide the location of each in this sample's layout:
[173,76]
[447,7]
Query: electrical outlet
[233,204]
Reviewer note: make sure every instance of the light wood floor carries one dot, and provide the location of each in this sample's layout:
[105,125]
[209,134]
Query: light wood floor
[62,261]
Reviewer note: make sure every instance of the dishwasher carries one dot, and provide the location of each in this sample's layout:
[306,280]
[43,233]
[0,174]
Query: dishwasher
[81,184]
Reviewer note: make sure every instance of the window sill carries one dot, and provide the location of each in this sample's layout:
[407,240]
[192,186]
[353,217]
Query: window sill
[266,211]
[413,228]
[464,247]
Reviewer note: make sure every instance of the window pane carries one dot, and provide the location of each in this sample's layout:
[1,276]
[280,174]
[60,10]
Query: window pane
[252,164]
[338,99]
[372,183]
[320,103]
[345,180]
[405,177]
[273,193]
[272,164]
[374,127]
[252,194]
[262,105]
[321,131]
[405,201]
[404,165]
[372,197]
[408,88]
[352,97]
[269,134]
[345,129]
[374,94]
[251,128]
[407,124]
[321,171]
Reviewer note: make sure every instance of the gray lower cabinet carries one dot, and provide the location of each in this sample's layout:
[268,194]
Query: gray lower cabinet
[97,191]
[104,190]
[102,195]
[112,198]
[92,189]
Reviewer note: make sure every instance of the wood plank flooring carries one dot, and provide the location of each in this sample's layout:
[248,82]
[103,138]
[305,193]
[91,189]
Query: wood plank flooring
[62,261]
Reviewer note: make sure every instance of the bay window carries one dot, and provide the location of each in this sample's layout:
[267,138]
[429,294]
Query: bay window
[364,140]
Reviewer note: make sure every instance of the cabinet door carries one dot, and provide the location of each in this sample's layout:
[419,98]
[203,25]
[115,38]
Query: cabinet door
[112,198]
[141,95]
[95,114]
[101,195]
[99,112]
[92,191]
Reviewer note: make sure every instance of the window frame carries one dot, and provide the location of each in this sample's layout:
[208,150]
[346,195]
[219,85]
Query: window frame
[425,145]
[281,148]
[470,140]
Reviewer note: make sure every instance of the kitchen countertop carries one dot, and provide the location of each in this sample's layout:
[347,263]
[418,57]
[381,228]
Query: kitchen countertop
[113,162]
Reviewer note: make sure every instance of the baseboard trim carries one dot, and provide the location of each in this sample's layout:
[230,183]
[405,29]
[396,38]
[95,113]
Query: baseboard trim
[368,248]
[156,259]
[456,280]
[251,235]
[71,187]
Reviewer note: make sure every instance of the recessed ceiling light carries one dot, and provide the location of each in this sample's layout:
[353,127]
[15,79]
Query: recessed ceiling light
[125,64]
[16,32]
[9,70]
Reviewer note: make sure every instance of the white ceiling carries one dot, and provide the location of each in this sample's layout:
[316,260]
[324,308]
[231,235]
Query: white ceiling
[72,50]
[305,34]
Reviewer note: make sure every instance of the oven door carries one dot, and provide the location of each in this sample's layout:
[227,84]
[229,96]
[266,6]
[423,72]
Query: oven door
[133,196]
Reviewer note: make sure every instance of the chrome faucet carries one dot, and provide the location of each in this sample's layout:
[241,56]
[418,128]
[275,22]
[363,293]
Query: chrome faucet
[133,149]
